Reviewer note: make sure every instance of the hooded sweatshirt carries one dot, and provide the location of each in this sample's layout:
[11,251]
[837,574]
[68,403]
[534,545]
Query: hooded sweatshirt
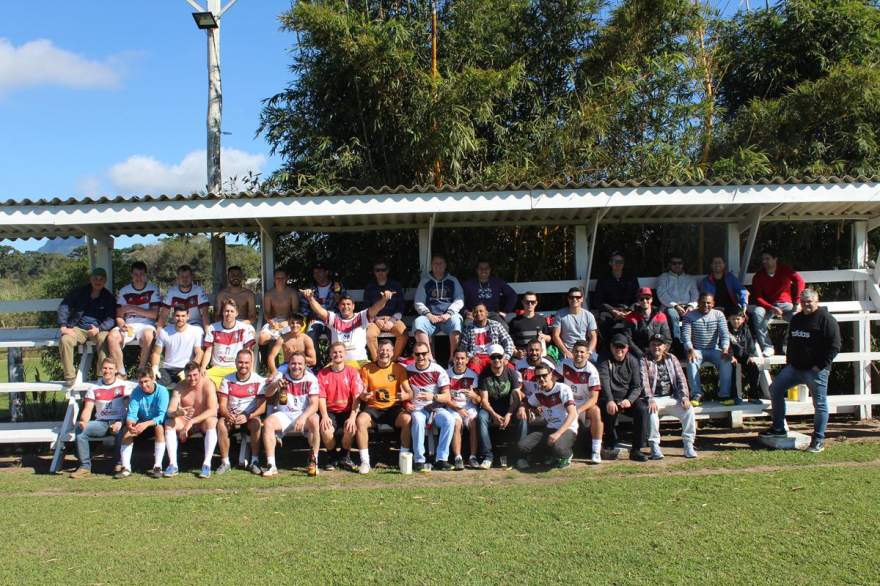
[438,296]
[813,340]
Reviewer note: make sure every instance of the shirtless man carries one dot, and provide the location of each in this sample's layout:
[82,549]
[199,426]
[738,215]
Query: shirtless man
[193,405]
[242,400]
[294,339]
[279,305]
[244,297]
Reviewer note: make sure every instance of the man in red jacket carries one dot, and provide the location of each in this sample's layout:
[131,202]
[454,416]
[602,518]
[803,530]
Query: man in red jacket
[776,289]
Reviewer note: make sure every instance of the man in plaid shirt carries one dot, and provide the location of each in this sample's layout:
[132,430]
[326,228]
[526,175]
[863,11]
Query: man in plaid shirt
[480,335]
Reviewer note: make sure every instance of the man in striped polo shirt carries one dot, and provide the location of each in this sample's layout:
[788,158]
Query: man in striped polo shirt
[706,338]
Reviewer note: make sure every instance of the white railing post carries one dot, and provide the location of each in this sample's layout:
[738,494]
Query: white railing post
[15,370]
[863,367]
[860,254]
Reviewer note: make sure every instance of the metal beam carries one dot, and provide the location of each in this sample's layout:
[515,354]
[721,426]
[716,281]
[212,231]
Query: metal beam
[859,253]
[732,246]
[594,232]
[104,258]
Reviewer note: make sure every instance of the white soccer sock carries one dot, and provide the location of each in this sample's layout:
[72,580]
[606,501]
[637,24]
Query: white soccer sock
[158,454]
[270,461]
[126,455]
[365,455]
[597,446]
[404,450]
[210,444]
[171,440]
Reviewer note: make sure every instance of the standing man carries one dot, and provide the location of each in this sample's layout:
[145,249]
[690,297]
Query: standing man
[223,340]
[108,399]
[193,406]
[622,393]
[244,297]
[339,383]
[389,320]
[279,304]
[86,314]
[666,389]
[480,335]
[614,295]
[500,390]
[560,413]
[181,342]
[241,401]
[190,296]
[147,407]
[528,326]
[582,377]
[776,289]
[439,298]
[495,294]
[644,322]
[348,327]
[328,294]
[137,308]
[705,337]
[574,323]
[677,292]
[730,295]
[813,342]
[430,387]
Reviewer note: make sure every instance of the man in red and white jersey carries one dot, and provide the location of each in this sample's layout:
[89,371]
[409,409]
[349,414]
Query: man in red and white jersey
[583,378]
[108,399]
[189,295]
[526,367]
[223,340]
[348,327]
[137,307]
[242,400]
[430,386]
[340,383]
[463,404]
[296,411]
[557,402]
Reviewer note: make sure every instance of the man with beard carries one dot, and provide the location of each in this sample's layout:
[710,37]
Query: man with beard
[241,403]
[193,407]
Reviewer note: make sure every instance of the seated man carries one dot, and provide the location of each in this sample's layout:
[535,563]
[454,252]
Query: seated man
[328,294]
[430,387]
[340,383]
[497,296]
[643,322]
[481,334]
[462,385]
[386,390]
[705,336]
[244,298]
[677,292]
[293,339]
[500,391]
[296,411]
[108,398]
[280,303]
[560,413]
[438,300]
[389,319]
[776,288]
[193,406]
[583,379]
[223,340]
[181,343]
[241,401]
[730,295]
[528,326]
[348,327]
[146,408]
[744,351]
[190,296]
[526,369]
[666,389]
[86,314]
[574,323]
[621,383]
[137,308]
[614,296]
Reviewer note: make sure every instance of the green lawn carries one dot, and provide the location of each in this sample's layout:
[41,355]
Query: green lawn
[738,517]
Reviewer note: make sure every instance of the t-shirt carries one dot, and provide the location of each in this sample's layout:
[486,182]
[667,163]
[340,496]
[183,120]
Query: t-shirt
[482,339]
[340,388]
[663,386]
[499,387]
[192,299]
[109,399]
[179,346]
[431,380]
[242,394]
[352,332]
[527,372]
[555,403]
[582,381]
[225,343]
[525,329]
[459,384]
[146,298]
[298,392]
[573,327]
[384,383]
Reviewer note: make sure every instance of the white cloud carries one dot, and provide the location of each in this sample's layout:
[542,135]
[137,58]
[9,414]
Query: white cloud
[141,174]
[41,63]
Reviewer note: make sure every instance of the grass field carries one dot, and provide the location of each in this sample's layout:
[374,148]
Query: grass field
[732,517]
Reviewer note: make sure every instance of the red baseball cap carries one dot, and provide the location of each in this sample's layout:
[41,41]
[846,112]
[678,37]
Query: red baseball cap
[646,292]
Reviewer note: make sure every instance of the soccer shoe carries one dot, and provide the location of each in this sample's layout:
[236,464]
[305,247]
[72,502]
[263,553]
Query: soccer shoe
[689,451]
[312,469]
[637,456]
[223,468]
[421,467]
[473,462]
[522,464]
[442,466]
[345,463]
[269,471]
[205,472]
[816,446]
[255,469]
[771,432]
[596,457]
[563,462]
[486,464]
[80,473]
[459,463]
[364,468]
[156,472]
[123,473]
[656,452]
[170,471]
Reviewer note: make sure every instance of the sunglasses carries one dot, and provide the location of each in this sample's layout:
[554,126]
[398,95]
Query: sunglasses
[496,357]
[619,346]
[576,297]
[380,270]
[419,354]
[542,376]
[530,301]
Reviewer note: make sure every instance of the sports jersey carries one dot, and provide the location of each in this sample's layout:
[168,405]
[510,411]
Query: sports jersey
[179,346]
[384,383]
[146,298]
[429,380]
[555,403]
[352,332]
[109,399]
[459,384]
[340,388]
[582,381]
[527,372]
[225,343]
[242,394]
[193,299]
[298,392]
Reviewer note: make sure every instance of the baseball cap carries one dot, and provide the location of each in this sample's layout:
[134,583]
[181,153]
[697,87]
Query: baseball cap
[496,349]
[658,337]
[620,340]
[99,272]
[319,265]
[645,292]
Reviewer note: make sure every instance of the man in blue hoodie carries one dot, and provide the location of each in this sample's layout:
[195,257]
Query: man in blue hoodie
[439,298]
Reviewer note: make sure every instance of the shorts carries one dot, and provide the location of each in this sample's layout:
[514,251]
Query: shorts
[383,416]
[218,373]
[338,419]
[423,324]
[471,414]
[276,333]
[169,375]
[136,331]
[288,420]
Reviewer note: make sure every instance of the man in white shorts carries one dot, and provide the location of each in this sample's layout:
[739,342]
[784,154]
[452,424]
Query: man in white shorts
[463,403]
[189,295]
[137,307]
[430,386]
[583,378]
[193,407]
[181,342]
[223,340]
[296,411]
[241,402]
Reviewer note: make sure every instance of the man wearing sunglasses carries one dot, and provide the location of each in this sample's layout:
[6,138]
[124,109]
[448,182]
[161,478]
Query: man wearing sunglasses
[388,321]
[574,323]
[677,292]
[430,386]
[528,325]
[621,382]
[644,322]
[560,413]
[500,392]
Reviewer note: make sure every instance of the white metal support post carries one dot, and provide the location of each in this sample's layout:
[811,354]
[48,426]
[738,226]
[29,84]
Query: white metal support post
[591,253]
[752,225]
[426,236]
[862,374]
[104,257]
[732,247]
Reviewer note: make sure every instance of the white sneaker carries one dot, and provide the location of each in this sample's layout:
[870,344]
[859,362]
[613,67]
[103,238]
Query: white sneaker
[270,471]
[656,453]
[364,468]
[769,351]
[486,464]
[596,458]
[689,451]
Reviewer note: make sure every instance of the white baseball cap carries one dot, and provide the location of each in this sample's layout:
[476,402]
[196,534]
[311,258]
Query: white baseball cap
[496,349]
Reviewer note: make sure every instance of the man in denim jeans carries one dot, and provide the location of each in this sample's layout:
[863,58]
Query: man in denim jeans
[813,342]
[706,338]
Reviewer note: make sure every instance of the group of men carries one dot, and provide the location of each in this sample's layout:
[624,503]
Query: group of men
[502,378]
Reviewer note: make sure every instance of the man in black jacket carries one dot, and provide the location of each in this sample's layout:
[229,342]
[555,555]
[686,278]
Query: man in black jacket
[813,342]
[622,393]
[88,313]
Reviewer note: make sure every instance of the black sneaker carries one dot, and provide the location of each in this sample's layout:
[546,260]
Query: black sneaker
[637,456]
[156,472]
[771,432]
[420,467]
[816,446]
[442,465]
[346,464]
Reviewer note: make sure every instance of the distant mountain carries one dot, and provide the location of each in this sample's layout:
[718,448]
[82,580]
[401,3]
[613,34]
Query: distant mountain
[61,245]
